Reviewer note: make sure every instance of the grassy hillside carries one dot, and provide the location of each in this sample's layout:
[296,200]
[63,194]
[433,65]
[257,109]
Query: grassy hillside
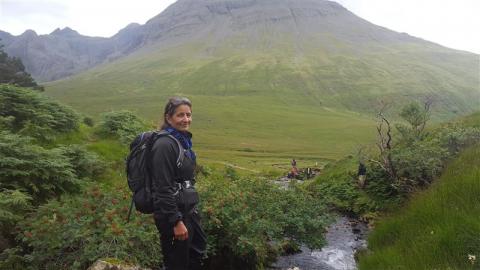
[265,88]
[271,107]
[252,128]
[440,227]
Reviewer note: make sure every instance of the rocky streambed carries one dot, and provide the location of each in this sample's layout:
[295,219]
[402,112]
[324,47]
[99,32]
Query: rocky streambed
[344,237]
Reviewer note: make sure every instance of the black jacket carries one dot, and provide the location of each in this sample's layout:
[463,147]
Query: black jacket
[166,175]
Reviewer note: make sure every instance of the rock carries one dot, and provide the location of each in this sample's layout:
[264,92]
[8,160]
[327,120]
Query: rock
[104,265]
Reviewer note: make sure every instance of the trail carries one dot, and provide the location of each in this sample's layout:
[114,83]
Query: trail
[236,167]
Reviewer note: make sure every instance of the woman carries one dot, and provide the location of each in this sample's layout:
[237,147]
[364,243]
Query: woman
[176,217]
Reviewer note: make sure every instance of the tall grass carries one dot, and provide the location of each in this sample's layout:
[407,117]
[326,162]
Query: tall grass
[438,229]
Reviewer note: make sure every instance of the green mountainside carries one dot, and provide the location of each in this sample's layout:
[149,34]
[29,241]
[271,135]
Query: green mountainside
[300,78]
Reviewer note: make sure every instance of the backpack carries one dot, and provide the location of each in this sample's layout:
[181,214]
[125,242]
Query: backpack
[138,168]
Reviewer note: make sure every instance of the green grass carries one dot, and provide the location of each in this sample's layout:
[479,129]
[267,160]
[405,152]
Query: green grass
[438,229]
[256,132]
[275,104]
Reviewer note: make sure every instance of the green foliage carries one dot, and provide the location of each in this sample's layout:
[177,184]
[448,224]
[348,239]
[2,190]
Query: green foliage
[88,121]
[337,187]
[417,118]
[12,71]
[41,173]
[417,164]
[418,160]
[86,164]
[73,232]
[121,124]
[13,205]
[438,229]
[417,157]
[455,137]
[247,222]
[246,219]
[30,113]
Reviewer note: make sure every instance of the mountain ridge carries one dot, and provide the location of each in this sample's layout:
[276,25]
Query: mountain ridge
[183,21]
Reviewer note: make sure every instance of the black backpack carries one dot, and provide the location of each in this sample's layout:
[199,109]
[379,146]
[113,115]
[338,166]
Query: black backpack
[138,167]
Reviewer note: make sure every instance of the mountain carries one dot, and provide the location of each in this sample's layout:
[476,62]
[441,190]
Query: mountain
[289,75]
[65,52]
[301,51]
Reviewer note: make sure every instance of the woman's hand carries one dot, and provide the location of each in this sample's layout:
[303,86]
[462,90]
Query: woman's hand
[180,231]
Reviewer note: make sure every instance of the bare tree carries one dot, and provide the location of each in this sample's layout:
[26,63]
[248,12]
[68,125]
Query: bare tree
[384,144]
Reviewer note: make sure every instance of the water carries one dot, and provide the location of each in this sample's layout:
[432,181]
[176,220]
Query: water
[344,237]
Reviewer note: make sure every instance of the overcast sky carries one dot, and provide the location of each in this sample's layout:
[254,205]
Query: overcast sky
[452,23]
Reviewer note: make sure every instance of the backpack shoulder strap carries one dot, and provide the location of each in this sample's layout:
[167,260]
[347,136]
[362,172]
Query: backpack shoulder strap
[181,150]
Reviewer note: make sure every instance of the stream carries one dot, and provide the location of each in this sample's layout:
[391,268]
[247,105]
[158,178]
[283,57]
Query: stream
[344,237]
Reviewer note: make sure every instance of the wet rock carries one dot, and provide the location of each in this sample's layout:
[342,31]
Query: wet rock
[104,265]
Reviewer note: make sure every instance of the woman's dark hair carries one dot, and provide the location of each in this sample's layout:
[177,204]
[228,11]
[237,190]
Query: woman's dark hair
[171,106]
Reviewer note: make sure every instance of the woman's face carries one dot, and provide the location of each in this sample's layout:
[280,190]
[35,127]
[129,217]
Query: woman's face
[181,118]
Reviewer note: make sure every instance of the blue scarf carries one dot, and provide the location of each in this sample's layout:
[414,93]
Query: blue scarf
[185,138]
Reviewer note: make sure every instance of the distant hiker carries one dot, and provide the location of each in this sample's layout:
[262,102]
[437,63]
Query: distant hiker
[175,199]
[362,174]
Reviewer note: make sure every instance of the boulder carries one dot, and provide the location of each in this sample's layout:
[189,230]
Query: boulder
[105,265]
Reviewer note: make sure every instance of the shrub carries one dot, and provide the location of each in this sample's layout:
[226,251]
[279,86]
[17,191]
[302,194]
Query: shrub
[13,203]
[73,232]
[13,206]
[121,124]
[30,113]
[414,158]
[88,121]
[86,164]
[41,173]
[247,219]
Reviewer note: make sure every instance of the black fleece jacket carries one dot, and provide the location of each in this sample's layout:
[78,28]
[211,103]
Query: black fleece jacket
[166,175]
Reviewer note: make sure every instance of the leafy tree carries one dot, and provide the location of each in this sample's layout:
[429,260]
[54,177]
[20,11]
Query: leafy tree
[417,118]
[12,71]
[40,173]
[30,113]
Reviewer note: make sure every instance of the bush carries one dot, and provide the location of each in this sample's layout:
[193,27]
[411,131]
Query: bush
[73,232]
[40,173]
[13,206]
[121,124]
[86,164]
[13,203]
[247,219]
[30,113]
[88,121]
[416,157]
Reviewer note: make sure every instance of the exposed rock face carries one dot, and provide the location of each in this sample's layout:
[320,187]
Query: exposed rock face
[60,54]
[214,28]
[65,52]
